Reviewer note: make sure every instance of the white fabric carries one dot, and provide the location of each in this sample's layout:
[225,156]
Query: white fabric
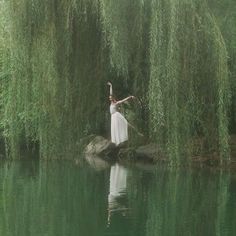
[118,177]
[119,126]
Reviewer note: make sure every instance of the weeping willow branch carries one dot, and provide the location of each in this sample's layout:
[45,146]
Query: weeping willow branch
[188,89]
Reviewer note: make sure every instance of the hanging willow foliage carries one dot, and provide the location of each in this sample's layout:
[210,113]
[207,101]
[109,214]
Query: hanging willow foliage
[225,13]
[59,54]
[54,88]
[189,92]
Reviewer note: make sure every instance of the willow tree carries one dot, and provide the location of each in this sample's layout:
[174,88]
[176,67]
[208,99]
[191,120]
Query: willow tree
[225,13]
[169,53]
[53,94]
[188,90]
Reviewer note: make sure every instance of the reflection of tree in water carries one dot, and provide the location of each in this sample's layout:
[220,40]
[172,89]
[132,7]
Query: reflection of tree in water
[63,199]
[117,200]
[189,203]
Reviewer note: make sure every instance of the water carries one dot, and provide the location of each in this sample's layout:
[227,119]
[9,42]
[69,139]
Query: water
[67,199]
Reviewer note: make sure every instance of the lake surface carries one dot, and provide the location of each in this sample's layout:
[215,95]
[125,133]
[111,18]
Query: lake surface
[67,199]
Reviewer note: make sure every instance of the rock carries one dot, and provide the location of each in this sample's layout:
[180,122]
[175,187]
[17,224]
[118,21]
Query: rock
[101,147]
[85,140]
[96,162]
[150,152]
[127,154]
[106,150]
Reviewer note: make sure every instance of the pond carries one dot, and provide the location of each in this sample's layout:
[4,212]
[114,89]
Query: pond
[66,199]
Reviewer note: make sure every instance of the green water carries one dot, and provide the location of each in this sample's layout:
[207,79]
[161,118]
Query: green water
[66,199]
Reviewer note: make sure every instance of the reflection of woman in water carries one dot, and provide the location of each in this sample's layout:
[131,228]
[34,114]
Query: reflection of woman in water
[117,195]
[119,125]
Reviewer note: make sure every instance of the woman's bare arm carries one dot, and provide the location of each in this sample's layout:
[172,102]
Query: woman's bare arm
[111,91]
[124,100]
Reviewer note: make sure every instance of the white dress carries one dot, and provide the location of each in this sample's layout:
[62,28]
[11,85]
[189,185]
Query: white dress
[119,126]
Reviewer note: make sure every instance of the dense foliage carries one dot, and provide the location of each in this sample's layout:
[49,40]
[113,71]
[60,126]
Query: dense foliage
[56,56]
[225,13]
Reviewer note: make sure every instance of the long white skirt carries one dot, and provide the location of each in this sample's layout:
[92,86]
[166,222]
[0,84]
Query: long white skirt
[119,128]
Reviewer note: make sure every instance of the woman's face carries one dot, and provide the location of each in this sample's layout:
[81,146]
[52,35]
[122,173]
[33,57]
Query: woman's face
[111,99]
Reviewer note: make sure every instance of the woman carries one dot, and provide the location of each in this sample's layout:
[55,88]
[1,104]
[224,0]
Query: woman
[119,125]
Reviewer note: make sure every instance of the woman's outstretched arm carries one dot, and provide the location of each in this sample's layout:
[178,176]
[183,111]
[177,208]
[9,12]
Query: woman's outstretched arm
[125,99]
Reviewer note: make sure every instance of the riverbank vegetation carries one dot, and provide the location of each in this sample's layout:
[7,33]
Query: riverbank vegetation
[177,56]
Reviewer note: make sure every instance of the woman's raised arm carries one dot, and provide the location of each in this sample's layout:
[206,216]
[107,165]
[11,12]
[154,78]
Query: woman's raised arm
[111,91]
